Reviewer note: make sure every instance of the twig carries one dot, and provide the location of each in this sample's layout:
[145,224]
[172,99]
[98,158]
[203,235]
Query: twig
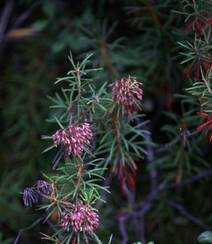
[106,58]
[122,219]
[107,182]
[4,20]
[139,215]
[142,230]
[27,228]
[145,205]
[147,202]
[168,146]
[130,194]
[189,180]
[20,19]
[153,13]
[150,158]
[189,216]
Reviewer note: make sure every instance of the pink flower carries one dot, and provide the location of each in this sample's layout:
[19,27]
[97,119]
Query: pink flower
[127,177]
[73,138]
[128,92]
[207,124]
[194,69]
[81,218]
[198,24]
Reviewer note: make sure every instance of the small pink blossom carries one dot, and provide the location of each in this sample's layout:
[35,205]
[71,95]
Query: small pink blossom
[198,24]
[81,218]
[195,69]
[128,92]
[207,125]
[74,138]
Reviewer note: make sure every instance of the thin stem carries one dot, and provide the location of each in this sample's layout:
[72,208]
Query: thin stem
[150,158]
[37,221]
[106,59]
[189,216]
[122,227]
[79,175]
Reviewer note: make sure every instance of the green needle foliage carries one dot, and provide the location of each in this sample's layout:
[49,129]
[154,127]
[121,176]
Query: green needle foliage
[76,185]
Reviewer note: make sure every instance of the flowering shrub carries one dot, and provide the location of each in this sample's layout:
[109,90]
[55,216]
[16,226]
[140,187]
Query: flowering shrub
[68,197]
[102,141]
[199,56]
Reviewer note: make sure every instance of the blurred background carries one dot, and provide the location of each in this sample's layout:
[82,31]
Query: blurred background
[136,37]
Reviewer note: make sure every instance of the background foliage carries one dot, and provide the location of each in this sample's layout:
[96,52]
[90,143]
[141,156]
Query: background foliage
[146,39]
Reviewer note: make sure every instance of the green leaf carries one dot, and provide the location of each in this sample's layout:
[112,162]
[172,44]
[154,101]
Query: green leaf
[39,25]
[110,240]
[205,237]
[58,122]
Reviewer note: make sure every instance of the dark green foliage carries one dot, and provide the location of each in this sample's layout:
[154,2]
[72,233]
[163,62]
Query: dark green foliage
[156,41]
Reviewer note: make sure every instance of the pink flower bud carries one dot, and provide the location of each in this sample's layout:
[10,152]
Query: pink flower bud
[127,91]
[74,138]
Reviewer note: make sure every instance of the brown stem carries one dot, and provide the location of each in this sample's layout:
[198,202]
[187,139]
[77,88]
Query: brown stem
[115,121]
[79,174]
[106,59]
[152,12]
[78,81]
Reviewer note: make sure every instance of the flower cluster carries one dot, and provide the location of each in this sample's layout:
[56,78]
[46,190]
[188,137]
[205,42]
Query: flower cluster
[33,194]
[43,187]
[81,218]
[126,176]
[30,196]
[73,138]
[127,91]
